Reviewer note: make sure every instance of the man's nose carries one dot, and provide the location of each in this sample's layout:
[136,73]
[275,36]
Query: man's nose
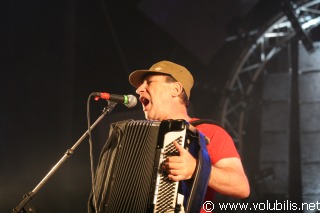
[141,88]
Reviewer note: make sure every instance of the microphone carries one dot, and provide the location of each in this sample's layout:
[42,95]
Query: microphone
[128,100]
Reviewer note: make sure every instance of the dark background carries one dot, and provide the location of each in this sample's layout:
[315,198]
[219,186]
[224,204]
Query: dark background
[53,54]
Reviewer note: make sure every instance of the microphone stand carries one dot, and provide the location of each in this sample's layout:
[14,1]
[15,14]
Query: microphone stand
[27,197]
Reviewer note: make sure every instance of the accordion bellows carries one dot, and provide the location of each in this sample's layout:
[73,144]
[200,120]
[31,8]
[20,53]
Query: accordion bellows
[128,178]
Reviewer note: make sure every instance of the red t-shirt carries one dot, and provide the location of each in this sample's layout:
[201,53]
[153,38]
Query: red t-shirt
[221,146]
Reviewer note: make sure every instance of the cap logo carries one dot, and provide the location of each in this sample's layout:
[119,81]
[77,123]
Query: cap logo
[158,69]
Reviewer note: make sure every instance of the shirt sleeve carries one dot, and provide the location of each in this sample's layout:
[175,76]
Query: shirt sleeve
[221,144]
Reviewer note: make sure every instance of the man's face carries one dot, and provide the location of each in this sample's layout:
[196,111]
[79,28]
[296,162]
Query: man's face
[155,96]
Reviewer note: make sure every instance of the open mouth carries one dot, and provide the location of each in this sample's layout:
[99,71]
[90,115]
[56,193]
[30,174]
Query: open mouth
[144,101]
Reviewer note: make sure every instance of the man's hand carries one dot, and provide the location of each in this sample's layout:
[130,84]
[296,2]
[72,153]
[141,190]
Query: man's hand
[180,167]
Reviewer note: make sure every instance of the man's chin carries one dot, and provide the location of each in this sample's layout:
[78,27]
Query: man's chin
[148,117]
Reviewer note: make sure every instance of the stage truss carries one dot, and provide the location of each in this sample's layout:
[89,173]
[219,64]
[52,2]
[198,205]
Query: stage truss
[240,85]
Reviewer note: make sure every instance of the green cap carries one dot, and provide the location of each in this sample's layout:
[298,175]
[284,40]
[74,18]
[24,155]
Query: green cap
[178,72]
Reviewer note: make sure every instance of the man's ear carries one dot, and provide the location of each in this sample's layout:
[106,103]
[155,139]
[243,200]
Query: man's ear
[176,89]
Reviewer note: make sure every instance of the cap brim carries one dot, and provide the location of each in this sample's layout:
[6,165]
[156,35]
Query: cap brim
[136,77]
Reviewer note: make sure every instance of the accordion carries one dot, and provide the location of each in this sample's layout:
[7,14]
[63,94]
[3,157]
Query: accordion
[128,176]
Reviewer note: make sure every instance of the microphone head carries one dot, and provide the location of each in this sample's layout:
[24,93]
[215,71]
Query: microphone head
[132,101]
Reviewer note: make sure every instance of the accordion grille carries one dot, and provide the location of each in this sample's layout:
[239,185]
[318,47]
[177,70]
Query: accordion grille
[134,167]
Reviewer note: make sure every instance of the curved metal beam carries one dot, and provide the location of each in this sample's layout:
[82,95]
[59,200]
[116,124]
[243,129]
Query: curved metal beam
[253,60]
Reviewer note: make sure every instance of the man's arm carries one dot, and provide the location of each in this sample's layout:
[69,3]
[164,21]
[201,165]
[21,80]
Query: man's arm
[228,178]
[227,175]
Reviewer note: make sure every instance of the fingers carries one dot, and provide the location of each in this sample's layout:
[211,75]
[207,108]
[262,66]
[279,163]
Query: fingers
[180,149]
[172,164]
[175,177]
[172,168]
[179,167]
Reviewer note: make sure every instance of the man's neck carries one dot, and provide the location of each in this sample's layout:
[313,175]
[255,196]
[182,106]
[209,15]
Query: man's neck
[178,114]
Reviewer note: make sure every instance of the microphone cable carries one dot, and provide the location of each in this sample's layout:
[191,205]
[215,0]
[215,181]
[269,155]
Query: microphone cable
[91,153]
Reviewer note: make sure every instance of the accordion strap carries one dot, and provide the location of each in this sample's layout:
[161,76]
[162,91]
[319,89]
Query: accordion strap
[203,121]
[200,178]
